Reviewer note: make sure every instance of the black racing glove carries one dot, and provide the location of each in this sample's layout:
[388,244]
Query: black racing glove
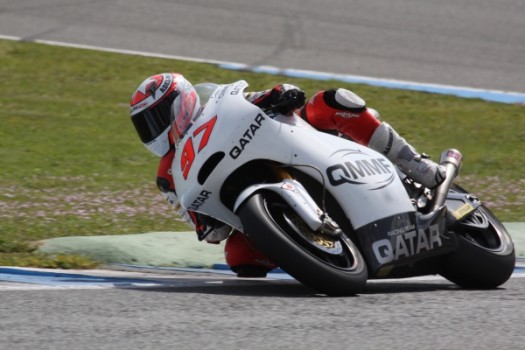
[286,98]
[209,229]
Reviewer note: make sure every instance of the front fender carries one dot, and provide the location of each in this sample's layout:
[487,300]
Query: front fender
[294,194]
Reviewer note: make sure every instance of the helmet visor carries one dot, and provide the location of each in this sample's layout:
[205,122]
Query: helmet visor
[151,122]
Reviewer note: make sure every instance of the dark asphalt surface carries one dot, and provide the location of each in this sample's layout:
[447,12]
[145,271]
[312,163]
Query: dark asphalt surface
[472,43]
[221,313]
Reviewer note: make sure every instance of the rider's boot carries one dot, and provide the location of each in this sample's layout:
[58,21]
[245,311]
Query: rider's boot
[416,166]
[243,259]
[346,112]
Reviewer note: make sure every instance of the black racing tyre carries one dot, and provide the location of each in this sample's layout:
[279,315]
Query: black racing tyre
[485,257]
[333,266]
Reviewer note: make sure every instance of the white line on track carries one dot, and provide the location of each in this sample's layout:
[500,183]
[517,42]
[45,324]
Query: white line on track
[53,279]
[509,97]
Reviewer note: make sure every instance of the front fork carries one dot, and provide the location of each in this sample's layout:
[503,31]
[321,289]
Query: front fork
[328,227]
[298,198]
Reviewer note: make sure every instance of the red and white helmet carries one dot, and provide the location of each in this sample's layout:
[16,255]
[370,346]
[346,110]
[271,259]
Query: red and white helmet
[152,105]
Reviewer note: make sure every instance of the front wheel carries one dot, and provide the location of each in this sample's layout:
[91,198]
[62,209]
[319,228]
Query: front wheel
[332,266]
[485,256]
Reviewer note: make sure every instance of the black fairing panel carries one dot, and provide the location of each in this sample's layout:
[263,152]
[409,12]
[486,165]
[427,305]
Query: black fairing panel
[404,239]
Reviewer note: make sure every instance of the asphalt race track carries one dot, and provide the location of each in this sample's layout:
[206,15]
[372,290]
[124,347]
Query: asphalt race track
[106,310]
[474,43]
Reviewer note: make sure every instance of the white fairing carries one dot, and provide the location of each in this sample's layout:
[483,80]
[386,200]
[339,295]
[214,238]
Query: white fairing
[364,182]
[295,195]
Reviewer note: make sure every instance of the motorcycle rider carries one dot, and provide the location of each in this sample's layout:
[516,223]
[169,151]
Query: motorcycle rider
[169,95]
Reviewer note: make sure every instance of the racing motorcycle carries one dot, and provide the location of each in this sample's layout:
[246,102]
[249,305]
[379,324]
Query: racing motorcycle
[328,211]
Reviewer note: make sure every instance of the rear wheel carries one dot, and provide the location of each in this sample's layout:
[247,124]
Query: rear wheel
[330,265]
[485,257]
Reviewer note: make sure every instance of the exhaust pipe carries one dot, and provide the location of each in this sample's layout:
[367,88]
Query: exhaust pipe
[452,160]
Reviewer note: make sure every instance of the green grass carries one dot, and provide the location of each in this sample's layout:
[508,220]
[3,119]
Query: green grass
[71,163]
